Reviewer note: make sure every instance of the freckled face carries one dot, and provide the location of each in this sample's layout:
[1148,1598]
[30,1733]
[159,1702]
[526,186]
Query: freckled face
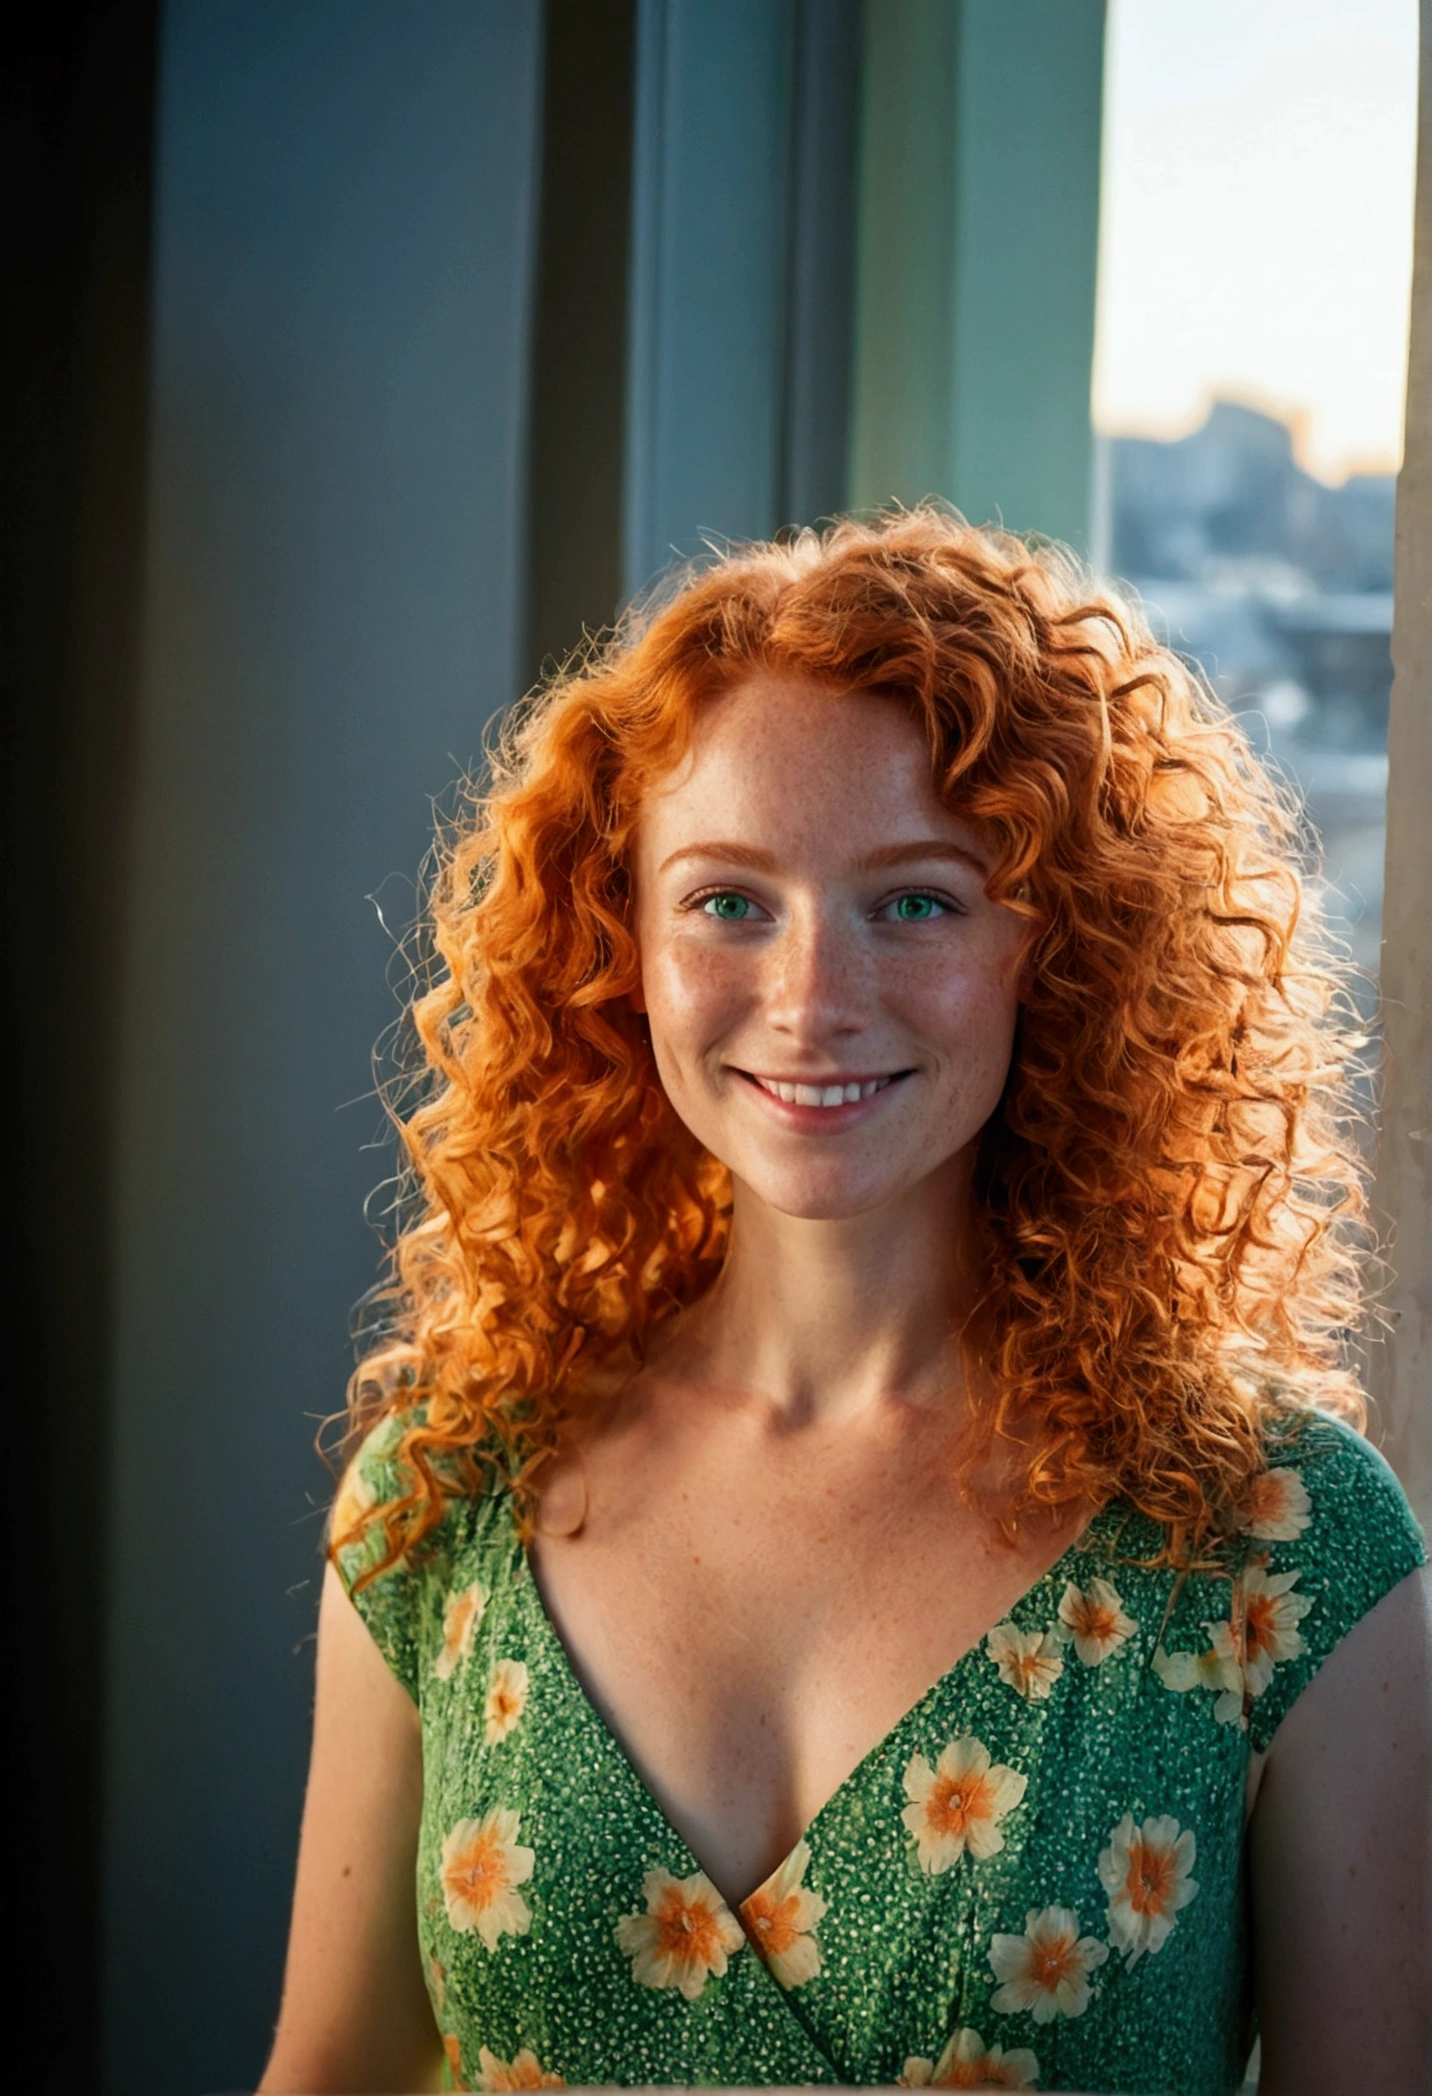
[831,994]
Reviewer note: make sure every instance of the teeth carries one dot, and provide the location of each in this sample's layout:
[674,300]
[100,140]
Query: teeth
[825,1094]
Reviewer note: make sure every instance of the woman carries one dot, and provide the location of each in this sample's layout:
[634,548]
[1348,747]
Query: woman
[855,1516]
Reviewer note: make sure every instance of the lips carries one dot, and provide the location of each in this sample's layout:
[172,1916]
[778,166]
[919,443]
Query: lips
[835,1093]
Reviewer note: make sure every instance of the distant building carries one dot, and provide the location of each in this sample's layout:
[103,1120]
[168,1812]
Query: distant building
[1234,492]
[1281,589]
[1277,583]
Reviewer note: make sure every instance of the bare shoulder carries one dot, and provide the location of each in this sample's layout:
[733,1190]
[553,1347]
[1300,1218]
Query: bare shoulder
[355,2011]
[1341,1863]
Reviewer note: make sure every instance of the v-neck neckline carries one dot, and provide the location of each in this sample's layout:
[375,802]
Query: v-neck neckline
[1112,1512]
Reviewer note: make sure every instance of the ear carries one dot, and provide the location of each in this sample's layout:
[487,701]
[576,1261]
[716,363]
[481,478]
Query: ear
[637,996]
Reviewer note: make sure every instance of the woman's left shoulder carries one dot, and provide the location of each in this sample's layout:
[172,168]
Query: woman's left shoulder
[1329,1532]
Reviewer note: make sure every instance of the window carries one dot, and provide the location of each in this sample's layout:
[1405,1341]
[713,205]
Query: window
[1250,364]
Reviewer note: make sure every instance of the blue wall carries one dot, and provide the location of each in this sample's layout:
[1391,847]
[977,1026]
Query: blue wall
[978,236]
[346,248]
[708,272]
[343,257]
[742,271]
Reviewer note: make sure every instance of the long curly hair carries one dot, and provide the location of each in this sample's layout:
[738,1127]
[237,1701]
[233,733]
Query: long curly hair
[1170,1199]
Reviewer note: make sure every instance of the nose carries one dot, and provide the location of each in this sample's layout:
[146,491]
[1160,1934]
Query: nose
[817,978]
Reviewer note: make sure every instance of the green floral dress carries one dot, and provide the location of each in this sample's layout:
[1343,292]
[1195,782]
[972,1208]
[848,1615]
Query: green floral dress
[1033,1881]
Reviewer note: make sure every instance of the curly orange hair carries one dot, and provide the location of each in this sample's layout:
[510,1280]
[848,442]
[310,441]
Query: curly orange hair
[1170,1197]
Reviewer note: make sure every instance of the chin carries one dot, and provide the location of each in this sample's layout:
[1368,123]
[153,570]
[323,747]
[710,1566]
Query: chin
[817,1198]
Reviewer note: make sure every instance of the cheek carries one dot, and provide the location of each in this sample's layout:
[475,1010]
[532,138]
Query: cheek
[972,1016]
[691,991]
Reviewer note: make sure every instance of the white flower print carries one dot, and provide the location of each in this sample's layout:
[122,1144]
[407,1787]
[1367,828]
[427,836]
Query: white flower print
[355,1498]
[1027,1659]
[1242,1653]
[506,1700]
[1219,1669]
[1145,1871]
[1268,1616]
[523,2071]
[956,1806]
[460,1620]
[1046,1970]
[1278,1508]
[968,2063]
[780,1918]
[482,1864]
[1094,1619]
[686,1935]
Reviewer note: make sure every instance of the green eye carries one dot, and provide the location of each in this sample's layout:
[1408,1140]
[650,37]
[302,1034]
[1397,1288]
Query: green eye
[915,909]
[728,906]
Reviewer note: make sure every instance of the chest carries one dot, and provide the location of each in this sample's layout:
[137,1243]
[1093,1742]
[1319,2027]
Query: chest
[973,1874]
[751,1632]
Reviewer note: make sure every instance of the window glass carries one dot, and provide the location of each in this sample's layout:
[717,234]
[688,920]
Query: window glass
[1254,281]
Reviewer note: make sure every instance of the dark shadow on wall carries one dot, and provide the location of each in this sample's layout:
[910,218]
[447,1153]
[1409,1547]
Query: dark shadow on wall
[333,584]
[78,103]
[577,413]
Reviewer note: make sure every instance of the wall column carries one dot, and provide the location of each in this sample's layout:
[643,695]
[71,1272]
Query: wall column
[978,242]
[1402,1364]
[740,288]
[332,606]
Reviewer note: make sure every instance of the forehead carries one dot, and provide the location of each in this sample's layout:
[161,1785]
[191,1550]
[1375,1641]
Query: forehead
[787,754]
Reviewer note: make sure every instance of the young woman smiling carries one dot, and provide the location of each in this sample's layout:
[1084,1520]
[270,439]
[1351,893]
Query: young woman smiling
[855,1569]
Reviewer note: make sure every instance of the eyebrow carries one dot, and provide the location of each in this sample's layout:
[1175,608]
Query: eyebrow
[888,855]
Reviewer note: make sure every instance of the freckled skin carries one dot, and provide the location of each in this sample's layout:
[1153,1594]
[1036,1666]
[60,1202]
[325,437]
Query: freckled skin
[776,1562]
[822,977]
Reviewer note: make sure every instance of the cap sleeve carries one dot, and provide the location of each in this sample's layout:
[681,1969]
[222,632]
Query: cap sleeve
[1330,1535]
[395,1603]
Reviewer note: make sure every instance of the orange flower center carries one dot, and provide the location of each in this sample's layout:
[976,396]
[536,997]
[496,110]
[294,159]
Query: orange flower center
[458,1621]
[1149,1884]
[1095,1620]
[1053,1961]
[1031,1667]
[479,1874]
[1265,1499]
[774,1923]
[1260,1625]
[687,1932]
[955,1801]
[969,2074]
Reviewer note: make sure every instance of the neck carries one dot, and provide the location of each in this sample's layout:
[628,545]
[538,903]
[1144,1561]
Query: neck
[824,1320]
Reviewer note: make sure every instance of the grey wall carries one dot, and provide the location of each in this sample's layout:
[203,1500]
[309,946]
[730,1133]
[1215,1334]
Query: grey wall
[1402,1366]
[978,237]
[708,268]
[743,202]
[333,607]
[345,578]
[904,318]
[1029,93]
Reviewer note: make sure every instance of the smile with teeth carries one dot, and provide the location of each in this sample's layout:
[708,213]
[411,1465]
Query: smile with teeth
[824,1094]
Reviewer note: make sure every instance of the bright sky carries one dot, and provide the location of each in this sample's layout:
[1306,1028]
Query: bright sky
[1256,230]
